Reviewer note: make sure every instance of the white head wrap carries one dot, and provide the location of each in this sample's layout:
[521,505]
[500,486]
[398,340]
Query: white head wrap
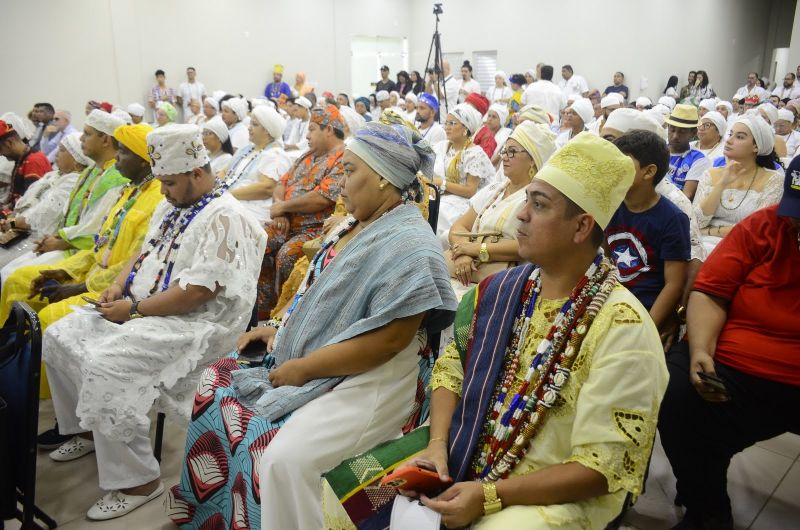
[643,101]
[72,143]
[218,94]
[786,115]
[762,133]
[572,98]
[770,110]
[269,118]
[124,116]
[103,121]
[176,148]
[17,123]
[718,120]
[502,112]
[537,140]
[354,120]
[411,97]
[502,74]
[303,102]
[381,95]
[667,101]
[257,102]
[660,109]
[584,109]
[709,104]
[135,109]
[608,101]
[656,114]
[238,106]
[726,104]
[622,120]
[468,116]
[212,102]
[218,127]
[616,95]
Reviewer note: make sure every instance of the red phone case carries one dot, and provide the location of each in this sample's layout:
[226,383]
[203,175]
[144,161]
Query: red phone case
[414,479]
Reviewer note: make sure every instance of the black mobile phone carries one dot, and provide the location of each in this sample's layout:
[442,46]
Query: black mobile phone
[253,354]
[90,301]
[713,381]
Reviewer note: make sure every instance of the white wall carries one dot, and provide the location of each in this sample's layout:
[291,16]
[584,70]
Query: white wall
[650,38]
[109,49]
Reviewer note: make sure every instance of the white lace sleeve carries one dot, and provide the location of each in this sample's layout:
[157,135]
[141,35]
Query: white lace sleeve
[704,187]
[477,164]
[773,191]
[45,215]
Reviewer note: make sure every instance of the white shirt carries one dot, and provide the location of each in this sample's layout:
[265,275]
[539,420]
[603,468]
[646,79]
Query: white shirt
[755,91]
[792,92]
[239,134]
[434,134]
[189,91]
[792,142]
[451,88]
[495,94]
[547,95]
[575,85]
[466,88]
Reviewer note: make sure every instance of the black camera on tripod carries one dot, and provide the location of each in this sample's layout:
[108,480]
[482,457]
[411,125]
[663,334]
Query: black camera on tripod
[437,9]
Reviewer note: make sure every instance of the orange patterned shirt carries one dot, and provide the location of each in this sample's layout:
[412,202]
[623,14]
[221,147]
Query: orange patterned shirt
[314,173]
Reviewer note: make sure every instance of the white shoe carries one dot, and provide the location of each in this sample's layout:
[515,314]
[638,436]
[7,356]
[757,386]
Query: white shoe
[73,449]
[116,504]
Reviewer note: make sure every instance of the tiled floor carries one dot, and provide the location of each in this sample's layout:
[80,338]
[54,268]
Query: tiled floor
[763,482]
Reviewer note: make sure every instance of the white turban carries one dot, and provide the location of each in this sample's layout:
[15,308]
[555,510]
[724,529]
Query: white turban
[584,109]
[572,98]
[658,115]
[354,120]
[709,104]
[770,110]
[502,112]
[762,133]
[786,115]
[135,109]
[303,102]
[502,74]
[238,106]
[667,101]
[726,104]
[218,127]
[124,116]
[269,118]
[213,103]
[103,121]
[17,123]
[218,94]
[381,95]
[72,143]
[537,140]
[718,120]
[643,101]
[660,109]
[257,102]
[623,120]
[468,116]
[411,97]
[609,101]
[616,95]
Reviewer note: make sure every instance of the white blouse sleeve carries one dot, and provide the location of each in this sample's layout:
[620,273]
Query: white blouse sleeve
[274,165]
[477,164]
[704,187]
[773,191]
[45,215]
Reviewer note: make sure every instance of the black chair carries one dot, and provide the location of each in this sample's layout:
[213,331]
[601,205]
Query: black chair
[20,370]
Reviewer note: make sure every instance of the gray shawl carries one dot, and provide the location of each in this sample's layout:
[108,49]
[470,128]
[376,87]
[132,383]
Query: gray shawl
[392,269]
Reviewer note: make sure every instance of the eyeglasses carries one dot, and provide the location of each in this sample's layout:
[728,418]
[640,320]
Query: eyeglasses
[510,153]
[451,123]
[704,126]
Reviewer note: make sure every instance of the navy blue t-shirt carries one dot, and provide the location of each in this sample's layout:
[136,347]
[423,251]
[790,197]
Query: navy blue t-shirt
[622,89]
[640,243]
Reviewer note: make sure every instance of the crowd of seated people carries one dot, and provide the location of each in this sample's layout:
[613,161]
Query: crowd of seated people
[601,268]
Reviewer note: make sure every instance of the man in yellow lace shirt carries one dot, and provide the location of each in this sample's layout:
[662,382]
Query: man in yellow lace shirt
[53,289]
[544,408]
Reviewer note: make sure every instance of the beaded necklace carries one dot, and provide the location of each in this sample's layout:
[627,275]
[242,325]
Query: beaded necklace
[111,233]
[505,440]
[231,176]
[169,235]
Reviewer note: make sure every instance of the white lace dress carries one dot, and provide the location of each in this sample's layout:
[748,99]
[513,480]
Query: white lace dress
[734,205]
[474,162]
[120,370]
[271,162]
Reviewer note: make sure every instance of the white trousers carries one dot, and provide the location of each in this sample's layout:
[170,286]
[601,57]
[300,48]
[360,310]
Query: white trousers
[361,412]
[120,465]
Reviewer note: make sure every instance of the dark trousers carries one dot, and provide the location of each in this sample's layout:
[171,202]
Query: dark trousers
[700,437]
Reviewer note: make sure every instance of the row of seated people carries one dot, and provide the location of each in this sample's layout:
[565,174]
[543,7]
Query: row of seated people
[380,296]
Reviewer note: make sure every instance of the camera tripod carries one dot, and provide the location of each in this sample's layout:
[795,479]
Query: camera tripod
[436,51]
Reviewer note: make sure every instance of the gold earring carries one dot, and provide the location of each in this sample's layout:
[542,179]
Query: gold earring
[532,172]
[382,186]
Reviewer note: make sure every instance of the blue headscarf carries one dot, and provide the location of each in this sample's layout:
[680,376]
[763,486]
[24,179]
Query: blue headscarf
[430,100]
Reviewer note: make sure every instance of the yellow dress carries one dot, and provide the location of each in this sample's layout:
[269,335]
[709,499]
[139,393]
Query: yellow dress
[86,265]
[605,417]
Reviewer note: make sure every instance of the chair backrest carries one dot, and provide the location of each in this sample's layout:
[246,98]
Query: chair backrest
[433,206]
[20,370]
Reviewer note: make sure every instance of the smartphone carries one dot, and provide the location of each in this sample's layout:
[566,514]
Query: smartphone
[253,354]
[91,301]
[712,381]
[414,478]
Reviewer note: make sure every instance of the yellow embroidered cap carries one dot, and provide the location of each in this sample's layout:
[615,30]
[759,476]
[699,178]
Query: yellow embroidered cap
[134,137]
[591,172]
[176,149]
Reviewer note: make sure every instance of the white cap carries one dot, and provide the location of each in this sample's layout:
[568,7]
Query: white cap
[218,127]
[382,95]
[667,101]
[176,148]
[135,109]
[584,109]
[124,116]
[303,102]
[643,101]
[238,106]
[708,104]
[608,101]
[16,122]
[72,143]
[103,121]
[786,115]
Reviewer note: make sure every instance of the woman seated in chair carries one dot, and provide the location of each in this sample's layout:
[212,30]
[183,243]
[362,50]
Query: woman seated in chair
[343,365]
[484,239]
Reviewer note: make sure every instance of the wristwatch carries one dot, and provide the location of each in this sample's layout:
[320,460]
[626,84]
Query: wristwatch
[491,502]
[134,314]
[681,314]
[483,255]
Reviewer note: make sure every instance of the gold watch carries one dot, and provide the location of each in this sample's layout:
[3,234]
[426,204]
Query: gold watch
[491,502]
[483,255]
[681,311]
[134,313]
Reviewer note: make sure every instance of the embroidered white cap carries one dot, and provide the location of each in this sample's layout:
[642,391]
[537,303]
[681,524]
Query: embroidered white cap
[176,148]
[103,121]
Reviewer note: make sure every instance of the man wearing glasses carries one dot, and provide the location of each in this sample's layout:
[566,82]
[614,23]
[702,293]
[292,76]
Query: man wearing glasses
[59,127]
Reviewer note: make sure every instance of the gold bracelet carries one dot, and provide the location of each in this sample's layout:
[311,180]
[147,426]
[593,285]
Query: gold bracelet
[437,439]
